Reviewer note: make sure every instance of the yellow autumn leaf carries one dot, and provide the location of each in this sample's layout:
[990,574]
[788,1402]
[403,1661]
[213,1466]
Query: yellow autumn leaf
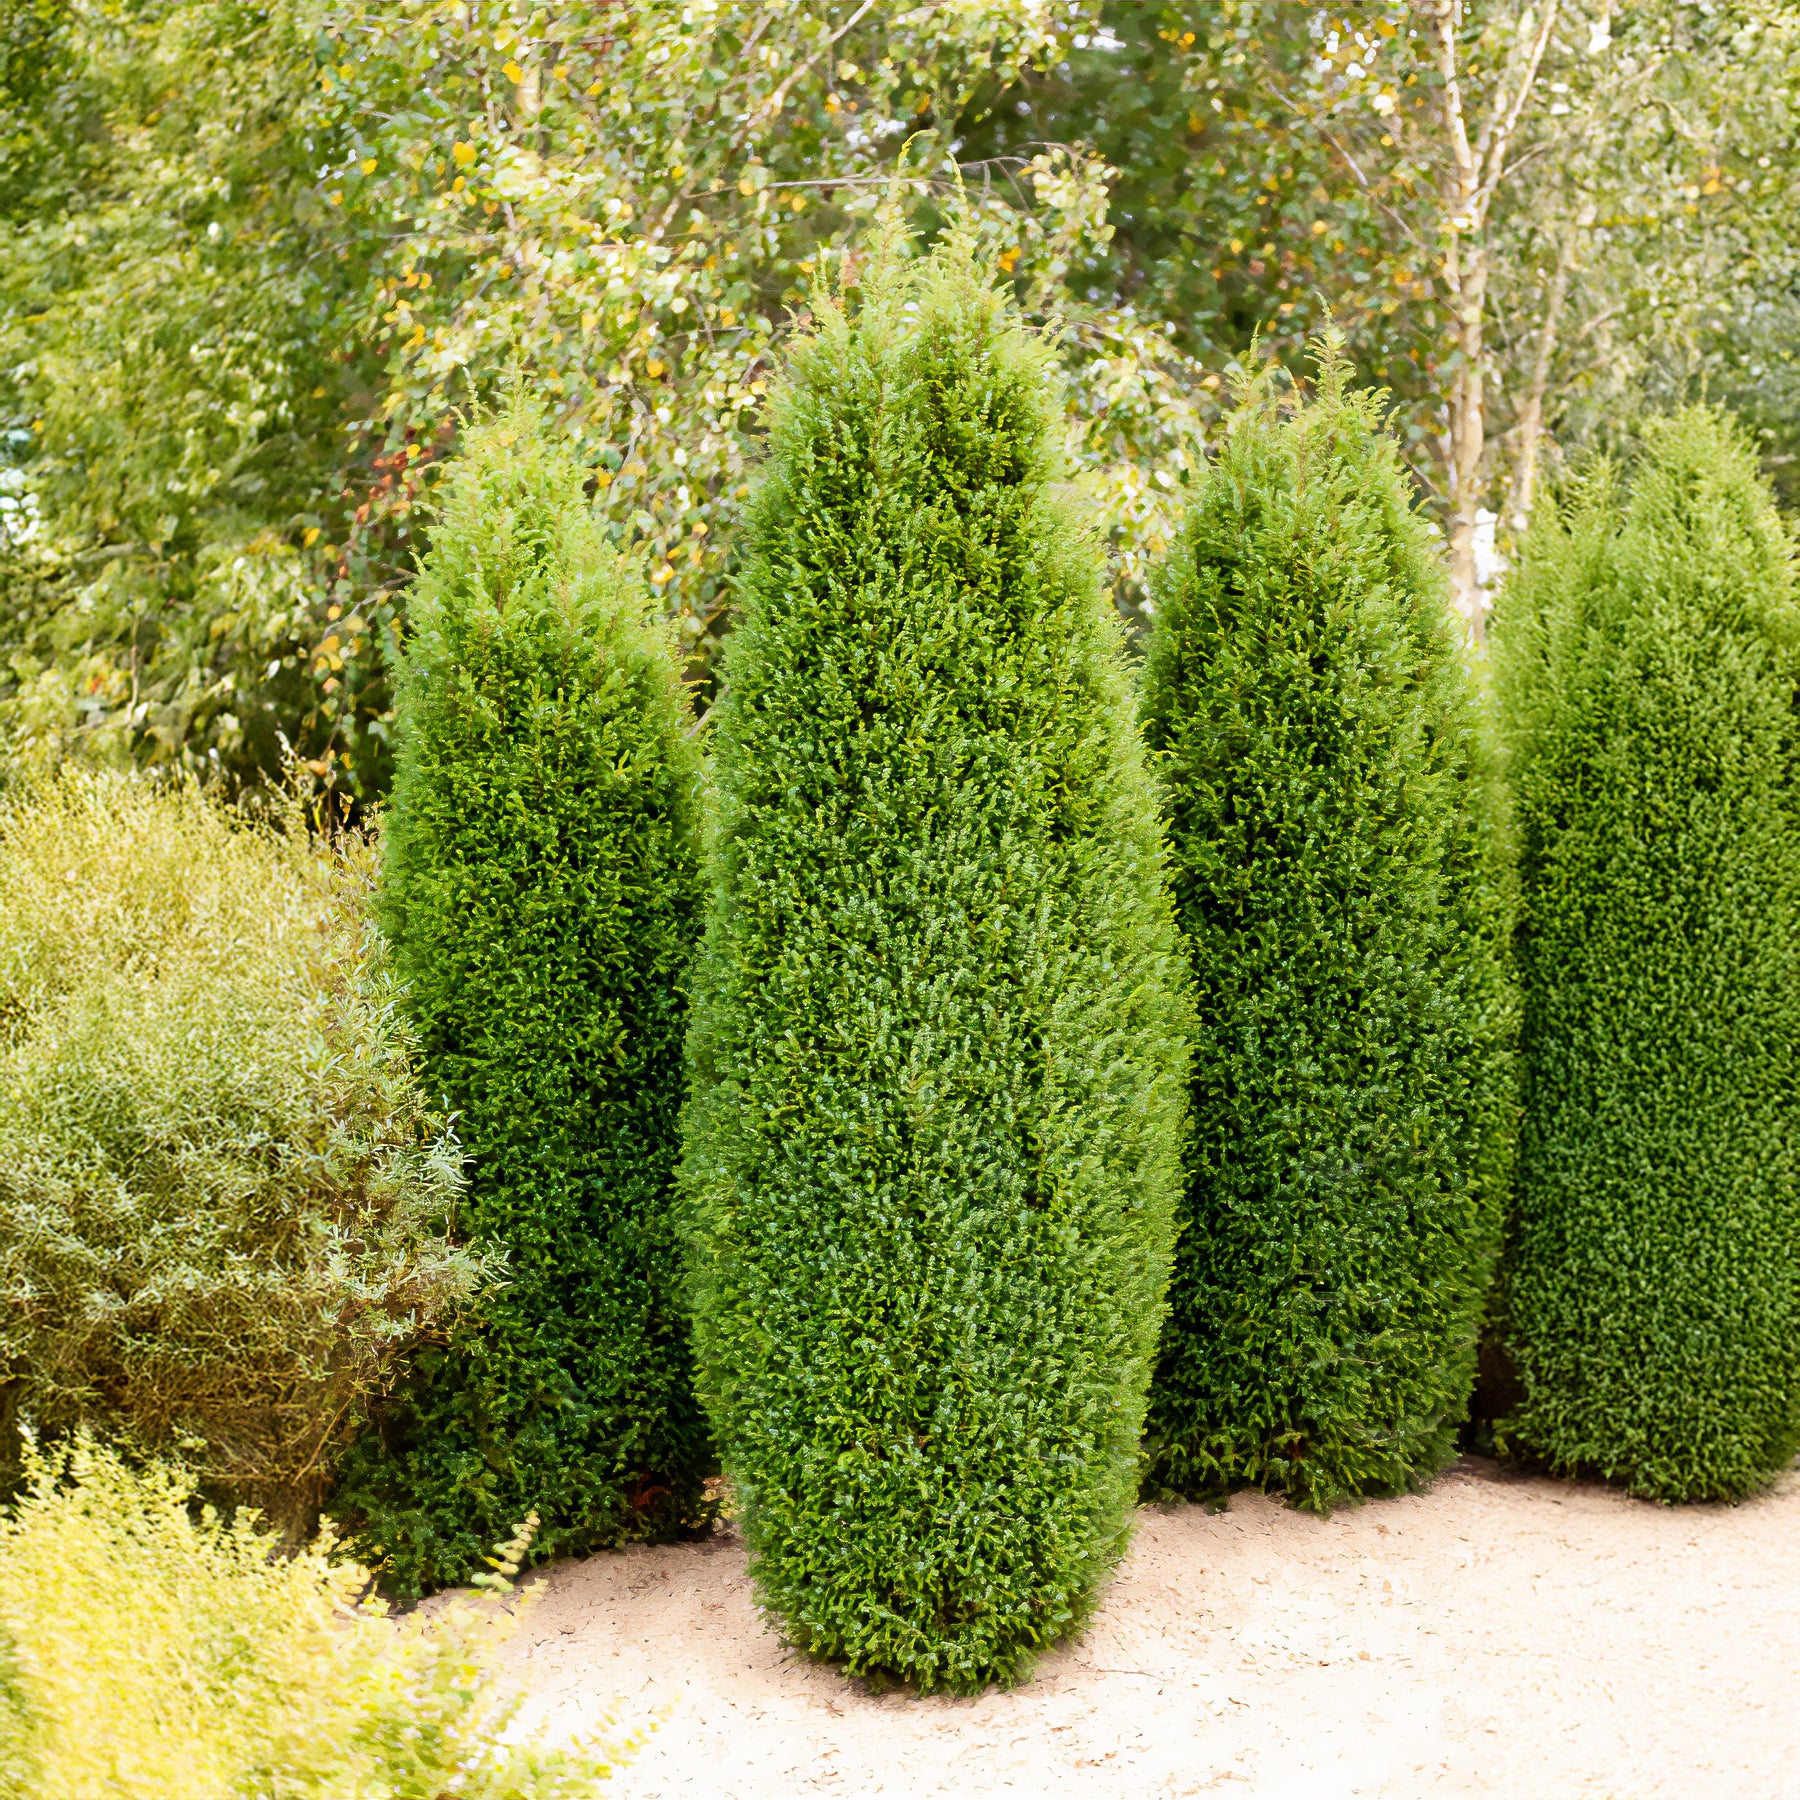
[368,167]
[513,72]
[653,368]
[464,154]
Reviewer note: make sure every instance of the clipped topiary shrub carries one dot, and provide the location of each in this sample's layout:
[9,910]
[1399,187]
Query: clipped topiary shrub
[937,1047]
[150,1650]
[1307,707]
[1646,657]
[224,1203]
[541,890]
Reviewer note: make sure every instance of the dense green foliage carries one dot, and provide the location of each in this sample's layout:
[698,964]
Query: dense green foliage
[260,253]
[1313,724]
[1651,1285]
[541,889]
[152,1650]
[1276,162]
[937,1046]
[172,385]
[222,1199]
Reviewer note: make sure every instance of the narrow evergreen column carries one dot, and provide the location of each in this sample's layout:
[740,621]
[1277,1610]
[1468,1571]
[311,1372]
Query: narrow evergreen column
[541,892]
[1312,723]
[937,1044]
[1651,1288]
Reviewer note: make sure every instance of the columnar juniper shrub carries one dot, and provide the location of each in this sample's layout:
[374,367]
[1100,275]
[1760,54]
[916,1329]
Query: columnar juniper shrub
[1307,707]
[938,1028]
[224,1202]
[541,890]
[1647,668]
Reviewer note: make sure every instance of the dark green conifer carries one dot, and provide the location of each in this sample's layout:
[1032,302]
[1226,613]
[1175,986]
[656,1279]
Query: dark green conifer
[541,891]
[937,1046]
[1651,1286]
[1307,707]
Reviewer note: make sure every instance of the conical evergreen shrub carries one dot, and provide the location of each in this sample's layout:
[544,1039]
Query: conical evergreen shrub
[1647,671]
[1307,708]
[542,893]
[938,1036]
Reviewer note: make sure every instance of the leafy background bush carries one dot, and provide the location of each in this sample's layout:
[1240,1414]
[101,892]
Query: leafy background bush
[152,1652]
[541,890]
[259,252]
[223,1201]
[937,1046]
[1308,711]
[1647,663]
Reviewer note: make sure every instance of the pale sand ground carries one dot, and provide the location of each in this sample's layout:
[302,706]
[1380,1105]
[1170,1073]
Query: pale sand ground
[1495,1636]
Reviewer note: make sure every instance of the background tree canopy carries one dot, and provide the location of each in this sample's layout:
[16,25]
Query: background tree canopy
[262,259]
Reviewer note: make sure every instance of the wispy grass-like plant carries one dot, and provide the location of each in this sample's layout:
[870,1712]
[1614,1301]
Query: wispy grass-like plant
[223,1200]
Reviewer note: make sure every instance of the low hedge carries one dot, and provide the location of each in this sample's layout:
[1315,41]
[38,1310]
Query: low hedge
[151,1649]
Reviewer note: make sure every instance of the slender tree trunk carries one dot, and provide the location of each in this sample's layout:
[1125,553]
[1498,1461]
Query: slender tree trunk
[1531,415]
[1468,427]
[1465,275]
[1472,172]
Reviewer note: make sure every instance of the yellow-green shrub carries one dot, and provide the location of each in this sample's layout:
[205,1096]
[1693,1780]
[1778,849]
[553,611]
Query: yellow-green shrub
[223,1201]
[150,1652]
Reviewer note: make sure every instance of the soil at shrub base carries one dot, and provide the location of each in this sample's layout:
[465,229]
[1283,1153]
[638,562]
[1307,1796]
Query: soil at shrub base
[1498,1635]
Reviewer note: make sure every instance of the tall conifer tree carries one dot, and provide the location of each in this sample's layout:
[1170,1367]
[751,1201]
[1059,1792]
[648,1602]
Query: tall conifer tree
[1647,669]
[1308,711]
[937,1045]
[541,890]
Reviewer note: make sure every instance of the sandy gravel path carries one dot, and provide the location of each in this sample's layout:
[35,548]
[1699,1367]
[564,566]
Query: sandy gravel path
[1496,1636]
